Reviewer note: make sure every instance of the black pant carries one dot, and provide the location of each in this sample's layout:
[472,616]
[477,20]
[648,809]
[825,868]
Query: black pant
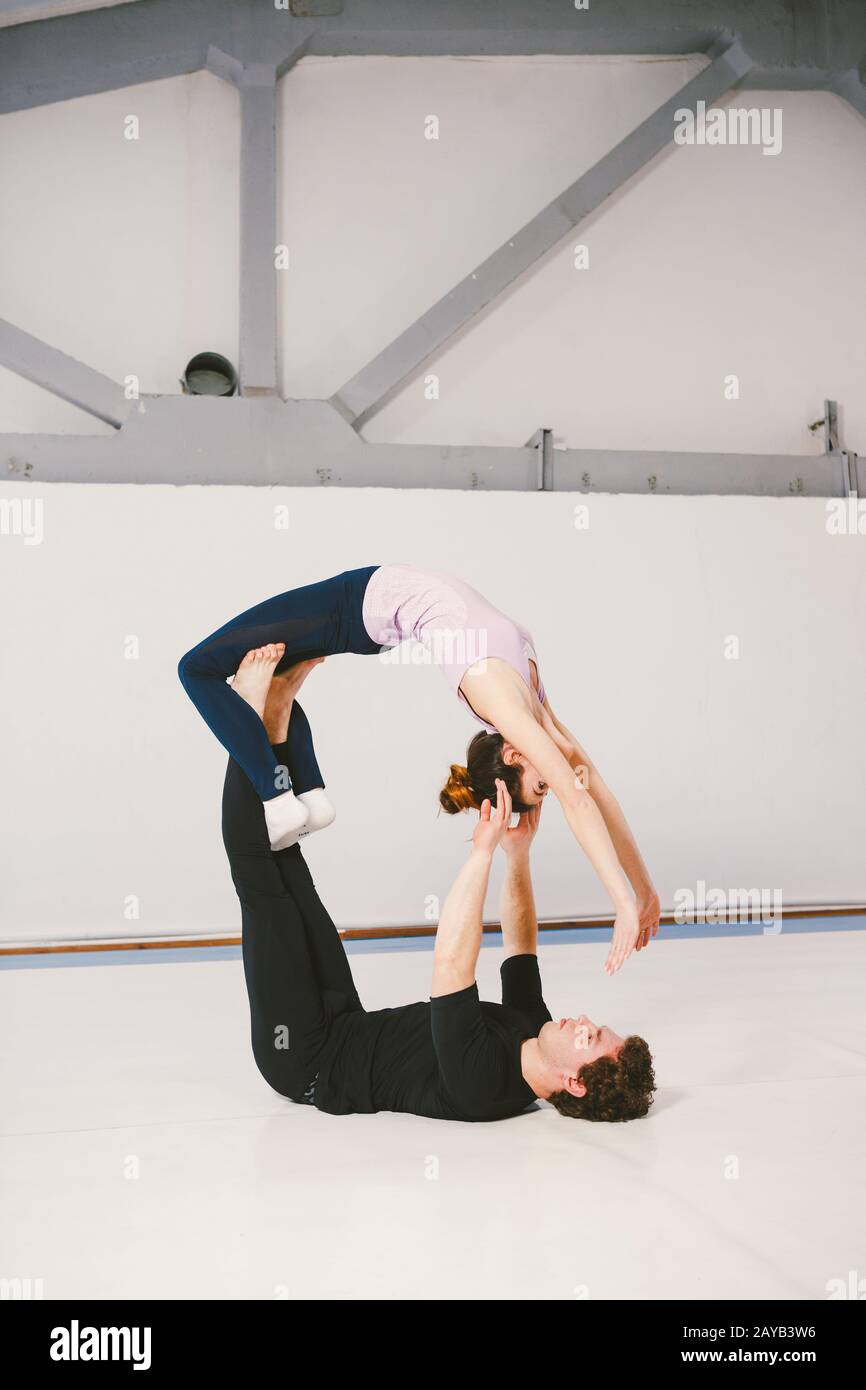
[297,973]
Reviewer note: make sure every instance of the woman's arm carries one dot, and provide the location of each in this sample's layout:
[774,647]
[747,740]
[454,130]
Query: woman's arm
[624,842]
[510,711]
[614,819]
[504,701]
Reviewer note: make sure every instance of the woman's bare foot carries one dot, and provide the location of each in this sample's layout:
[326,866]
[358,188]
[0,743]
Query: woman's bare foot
[253,677]
[282,692]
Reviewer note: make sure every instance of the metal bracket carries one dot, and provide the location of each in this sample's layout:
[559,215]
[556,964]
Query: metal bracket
[833,449]
[542,443]
[831,428]
[829,421]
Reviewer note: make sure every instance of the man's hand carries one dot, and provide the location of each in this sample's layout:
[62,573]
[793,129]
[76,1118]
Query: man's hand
[493,822]
[516,842]
[648,910]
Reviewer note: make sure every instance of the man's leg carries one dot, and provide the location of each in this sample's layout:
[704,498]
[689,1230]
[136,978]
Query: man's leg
[333,971]
[301,757]
[288,728]
[289,1018]
[306,775]
[323,940]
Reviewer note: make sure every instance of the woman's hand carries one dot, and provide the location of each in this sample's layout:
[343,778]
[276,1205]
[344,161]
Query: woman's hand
[649,911]
[516,842]
[493,822]
[626,930]
[634,928]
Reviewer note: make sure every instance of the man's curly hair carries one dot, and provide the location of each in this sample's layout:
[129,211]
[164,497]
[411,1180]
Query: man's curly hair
[616,1088]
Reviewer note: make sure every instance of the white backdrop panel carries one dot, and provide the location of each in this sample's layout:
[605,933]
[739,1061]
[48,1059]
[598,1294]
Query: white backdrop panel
[745,773]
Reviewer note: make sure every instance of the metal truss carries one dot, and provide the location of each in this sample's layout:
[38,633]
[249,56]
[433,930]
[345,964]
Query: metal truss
[259,439]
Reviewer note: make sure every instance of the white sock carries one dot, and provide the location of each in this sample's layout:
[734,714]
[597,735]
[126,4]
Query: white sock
[284,816]
[320,808]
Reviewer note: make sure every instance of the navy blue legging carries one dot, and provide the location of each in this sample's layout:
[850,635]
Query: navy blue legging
[315,620]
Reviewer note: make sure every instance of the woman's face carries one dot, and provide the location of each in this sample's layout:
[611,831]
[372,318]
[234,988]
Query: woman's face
[533,788]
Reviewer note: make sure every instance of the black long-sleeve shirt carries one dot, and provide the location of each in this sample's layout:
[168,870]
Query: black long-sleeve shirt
[454,1057]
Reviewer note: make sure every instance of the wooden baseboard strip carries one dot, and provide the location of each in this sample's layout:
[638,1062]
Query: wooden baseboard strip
[384,933]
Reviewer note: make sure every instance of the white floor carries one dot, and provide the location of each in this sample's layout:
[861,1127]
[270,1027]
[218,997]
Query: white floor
[143,1156]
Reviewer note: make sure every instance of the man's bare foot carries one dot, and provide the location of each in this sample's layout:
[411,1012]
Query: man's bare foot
[283,690]
[253,677]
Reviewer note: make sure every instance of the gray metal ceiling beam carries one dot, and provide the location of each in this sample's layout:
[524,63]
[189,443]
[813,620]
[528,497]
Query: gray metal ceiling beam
[193,440]
[62,375]
[109,48]
[258,223]
[669,473]
[381,378]
[516,40]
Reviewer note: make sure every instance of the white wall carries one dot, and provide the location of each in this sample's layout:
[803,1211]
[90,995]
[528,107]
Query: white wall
[714,260]
[745,773]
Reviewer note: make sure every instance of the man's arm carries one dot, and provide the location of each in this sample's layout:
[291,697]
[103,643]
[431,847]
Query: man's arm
[517,904]
[458,936]
[521,980]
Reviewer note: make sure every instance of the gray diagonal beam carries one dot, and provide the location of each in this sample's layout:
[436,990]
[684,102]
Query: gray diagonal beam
[62,375]
[378,381]
[850,87]
[258,216]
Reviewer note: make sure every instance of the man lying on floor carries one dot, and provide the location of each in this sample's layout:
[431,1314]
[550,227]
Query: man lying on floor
[453,1057]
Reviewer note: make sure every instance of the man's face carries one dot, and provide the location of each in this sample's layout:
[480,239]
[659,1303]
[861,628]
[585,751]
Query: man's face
[567,1044]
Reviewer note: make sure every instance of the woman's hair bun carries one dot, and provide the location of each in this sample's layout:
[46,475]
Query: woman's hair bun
[457,794]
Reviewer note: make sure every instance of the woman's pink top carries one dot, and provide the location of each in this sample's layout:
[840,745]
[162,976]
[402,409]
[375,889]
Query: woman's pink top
[453,621]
